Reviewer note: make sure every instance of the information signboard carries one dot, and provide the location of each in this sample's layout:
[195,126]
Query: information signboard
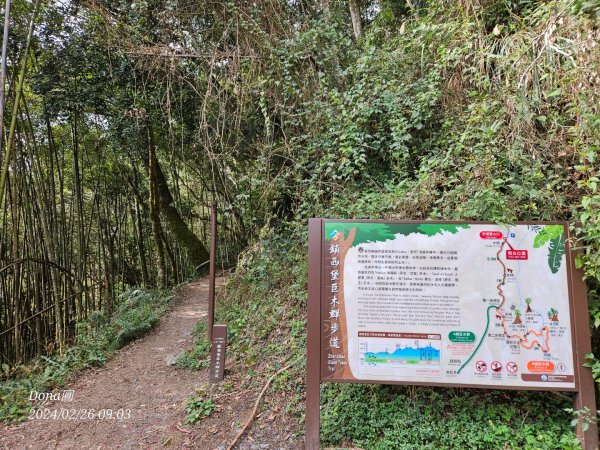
[446,304]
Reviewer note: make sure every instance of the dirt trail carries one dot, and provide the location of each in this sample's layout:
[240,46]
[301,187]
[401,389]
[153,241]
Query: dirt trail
[138,379]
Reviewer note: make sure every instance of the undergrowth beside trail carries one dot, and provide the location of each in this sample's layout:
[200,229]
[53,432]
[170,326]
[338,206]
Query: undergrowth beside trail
[199,356]
[97,340]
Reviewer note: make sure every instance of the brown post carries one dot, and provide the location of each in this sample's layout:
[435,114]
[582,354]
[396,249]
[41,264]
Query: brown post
[212,270]
[313,344]
[217,353]
[585,397]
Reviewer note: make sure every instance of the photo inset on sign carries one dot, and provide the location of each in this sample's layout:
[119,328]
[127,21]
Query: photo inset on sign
[399,353]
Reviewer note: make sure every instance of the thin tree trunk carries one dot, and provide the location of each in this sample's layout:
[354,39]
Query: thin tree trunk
[80,273]
[138,227]
[36,209]
[141,246]
[54,236]
[170,255]
[3,70]
[356,20]
[15,255]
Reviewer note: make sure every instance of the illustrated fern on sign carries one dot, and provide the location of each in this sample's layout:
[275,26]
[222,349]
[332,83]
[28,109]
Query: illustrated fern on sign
[556,235]
[556,250]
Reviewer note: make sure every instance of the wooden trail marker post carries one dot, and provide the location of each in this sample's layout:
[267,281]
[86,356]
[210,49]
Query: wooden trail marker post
[217,333]
[457,304]
[217,353]
[212,270]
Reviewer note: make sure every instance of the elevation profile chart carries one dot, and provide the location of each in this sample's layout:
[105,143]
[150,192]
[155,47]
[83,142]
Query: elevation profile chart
[385,353]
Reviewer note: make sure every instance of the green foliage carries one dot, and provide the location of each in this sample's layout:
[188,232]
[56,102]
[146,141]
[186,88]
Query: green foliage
[588,227]
[433,229]
[453,113]
[97,340]
[365,232]
[199,356]
[198,408]
[587,7]
[584,417]
[385,417]
[380,232]
[594,364]
[138,313]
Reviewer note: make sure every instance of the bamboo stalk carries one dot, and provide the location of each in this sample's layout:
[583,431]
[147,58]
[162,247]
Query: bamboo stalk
[13,120]
[3,70]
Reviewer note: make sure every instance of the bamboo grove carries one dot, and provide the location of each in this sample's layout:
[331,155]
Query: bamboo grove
[102,192]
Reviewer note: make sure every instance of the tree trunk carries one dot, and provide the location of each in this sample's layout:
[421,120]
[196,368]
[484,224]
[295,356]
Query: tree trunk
[356,20]
[13,120]
[141,246]
[197,252]
[17,267]
[80,226]
[154,214]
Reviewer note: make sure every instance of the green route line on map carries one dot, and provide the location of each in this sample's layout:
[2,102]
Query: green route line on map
[480,342]
[483,336]
[502,316]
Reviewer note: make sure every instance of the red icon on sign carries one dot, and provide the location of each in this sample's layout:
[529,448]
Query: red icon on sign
[516,254]
[512,367]
[481,366]
[490,235]
[496,366]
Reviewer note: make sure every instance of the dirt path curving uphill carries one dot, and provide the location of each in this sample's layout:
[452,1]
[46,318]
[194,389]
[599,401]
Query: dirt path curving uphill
[139,380]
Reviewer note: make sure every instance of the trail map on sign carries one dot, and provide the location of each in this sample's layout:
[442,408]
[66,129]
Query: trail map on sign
[447,303]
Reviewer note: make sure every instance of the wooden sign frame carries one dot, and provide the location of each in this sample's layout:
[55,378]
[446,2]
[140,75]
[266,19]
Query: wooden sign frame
[584,382]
